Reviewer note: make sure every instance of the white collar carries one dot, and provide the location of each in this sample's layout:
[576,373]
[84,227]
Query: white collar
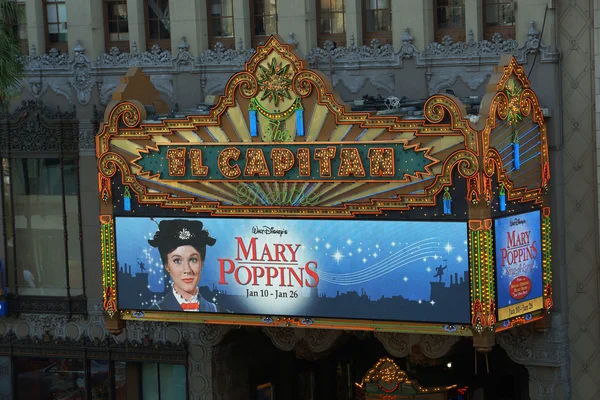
[194,299]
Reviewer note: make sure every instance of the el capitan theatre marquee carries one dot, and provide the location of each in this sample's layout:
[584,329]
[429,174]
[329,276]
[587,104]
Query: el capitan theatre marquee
[283,207]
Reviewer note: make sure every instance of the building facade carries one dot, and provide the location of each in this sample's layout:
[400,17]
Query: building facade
[77,51]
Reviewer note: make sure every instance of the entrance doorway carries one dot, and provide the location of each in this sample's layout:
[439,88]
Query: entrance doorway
[247,365]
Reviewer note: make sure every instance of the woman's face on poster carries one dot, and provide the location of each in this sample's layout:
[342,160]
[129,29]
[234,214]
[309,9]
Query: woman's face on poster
[185,267]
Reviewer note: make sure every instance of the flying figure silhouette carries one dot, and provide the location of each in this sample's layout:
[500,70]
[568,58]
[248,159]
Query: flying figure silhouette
[440,272]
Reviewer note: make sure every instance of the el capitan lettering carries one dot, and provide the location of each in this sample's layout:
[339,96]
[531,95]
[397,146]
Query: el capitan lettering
[292,161]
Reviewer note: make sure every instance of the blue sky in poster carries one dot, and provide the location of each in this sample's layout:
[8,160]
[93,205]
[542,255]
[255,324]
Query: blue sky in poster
[383,258]
[518,253]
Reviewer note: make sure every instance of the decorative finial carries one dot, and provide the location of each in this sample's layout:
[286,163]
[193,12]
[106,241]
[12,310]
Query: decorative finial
[407,38]
[533,32]
[79,49]
[183,45]
[470,37]
[293,38]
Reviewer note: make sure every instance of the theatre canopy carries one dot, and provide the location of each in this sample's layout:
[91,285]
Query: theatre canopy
[309,214]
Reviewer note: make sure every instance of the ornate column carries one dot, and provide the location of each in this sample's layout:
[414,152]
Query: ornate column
[546,356]
[137,26]
[533,11]
[474,18]
[86,25]
[5,379]
[36,34]
[201,341]
[298,18]
[189,20]
[415,15]
[354,21]
[88,193]
[241,23]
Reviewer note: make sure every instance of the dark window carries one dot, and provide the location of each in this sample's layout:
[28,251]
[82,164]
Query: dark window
[220,22]
[450,19]
[66,378]
[117,24]
[20,27]
[499,18]
[332,23]
[50,378]
[56,24]
[41,218]
[158,24]
[377,21]
[264,20]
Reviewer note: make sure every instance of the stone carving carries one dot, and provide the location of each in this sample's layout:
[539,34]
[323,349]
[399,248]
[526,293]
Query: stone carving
[220,55]
[87,138]
[354,83]
[307,343]
[352,53]
[116,58]
[408,48]
[38,108]
[217,86]
[448,48]
[61,74]
[383,81]
[184,61]
[81,80]
[36,86]
[211,335]
[524,345]
[40,129]
[445,53]
[397,344]
[320,340]
[183,45]
[546,383]
[474,80]
[283,338]
[53,59]
[292,39]
[164,84]
[108,86]
[155,56]
[436,346]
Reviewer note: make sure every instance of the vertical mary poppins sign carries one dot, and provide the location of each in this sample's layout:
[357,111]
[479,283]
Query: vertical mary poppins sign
[519,265]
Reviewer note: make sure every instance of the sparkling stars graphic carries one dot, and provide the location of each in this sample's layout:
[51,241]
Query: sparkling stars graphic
[337,256]
[448,247]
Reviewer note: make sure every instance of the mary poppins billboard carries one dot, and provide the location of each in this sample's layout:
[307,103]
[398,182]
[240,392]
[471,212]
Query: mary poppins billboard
[378,270]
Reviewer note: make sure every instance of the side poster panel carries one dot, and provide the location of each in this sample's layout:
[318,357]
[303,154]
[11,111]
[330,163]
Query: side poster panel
[375,270]
[519,272]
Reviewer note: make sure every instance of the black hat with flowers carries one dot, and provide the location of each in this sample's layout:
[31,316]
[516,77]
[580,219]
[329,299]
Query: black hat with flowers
[174,233]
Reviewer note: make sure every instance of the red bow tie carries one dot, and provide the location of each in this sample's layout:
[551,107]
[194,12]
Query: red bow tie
[189,306]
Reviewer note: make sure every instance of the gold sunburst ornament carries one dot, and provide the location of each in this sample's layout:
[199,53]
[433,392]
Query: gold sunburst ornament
[275,82]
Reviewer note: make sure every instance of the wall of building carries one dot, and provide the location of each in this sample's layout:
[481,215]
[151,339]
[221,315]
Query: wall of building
[412,66]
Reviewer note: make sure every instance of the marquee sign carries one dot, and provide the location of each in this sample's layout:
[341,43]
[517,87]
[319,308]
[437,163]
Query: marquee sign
[281,200]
